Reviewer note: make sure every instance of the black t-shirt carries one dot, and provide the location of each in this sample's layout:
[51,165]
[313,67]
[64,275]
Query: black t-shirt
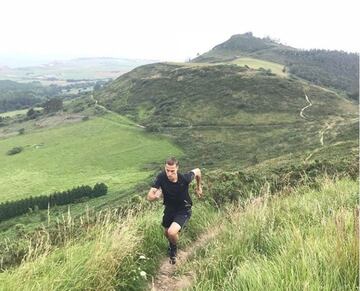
[176,195]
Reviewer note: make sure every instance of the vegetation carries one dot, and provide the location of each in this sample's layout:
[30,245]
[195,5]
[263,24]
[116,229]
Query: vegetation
[52,105]
[14,151]
[279,157]
[11,209]
[328,68]
[107,149]
[230,116]
[257,64]
[122,250]
[15,96]
[336,69]
[308,239]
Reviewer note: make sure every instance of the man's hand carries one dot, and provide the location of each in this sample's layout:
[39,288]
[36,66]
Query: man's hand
[198,191]
[154,194]
[198,188]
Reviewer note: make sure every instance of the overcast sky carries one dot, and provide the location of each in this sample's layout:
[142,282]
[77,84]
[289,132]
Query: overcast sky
[169,30]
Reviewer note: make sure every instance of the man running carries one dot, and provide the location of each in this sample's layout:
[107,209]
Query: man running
[174,187]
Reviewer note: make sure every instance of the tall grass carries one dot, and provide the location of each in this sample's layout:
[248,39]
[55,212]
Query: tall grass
[301,240]
[117,252]
[304,241]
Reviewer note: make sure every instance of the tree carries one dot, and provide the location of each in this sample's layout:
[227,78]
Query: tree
[53,105]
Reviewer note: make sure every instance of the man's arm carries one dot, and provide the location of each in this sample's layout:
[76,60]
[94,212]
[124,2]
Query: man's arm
[154,194]
[198,188]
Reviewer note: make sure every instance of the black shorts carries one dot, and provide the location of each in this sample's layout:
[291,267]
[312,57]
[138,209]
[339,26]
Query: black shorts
[180,217]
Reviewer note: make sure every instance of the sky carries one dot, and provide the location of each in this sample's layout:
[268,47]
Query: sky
[167,30]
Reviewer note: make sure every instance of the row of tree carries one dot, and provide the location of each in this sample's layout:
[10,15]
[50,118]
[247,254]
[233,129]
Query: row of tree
[336,69]
[11,209]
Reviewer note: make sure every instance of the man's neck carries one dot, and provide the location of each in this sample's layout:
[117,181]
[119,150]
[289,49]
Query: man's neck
[176,179]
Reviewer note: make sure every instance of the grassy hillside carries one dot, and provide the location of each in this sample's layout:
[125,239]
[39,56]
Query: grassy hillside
[305,239]
[275,68]
[233,116]
[104,149]
[288,219]
[335,69]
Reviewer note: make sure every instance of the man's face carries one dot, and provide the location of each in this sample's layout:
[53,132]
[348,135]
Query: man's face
[171,172]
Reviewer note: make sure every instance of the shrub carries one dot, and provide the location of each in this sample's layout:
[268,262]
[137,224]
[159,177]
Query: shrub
[14,151]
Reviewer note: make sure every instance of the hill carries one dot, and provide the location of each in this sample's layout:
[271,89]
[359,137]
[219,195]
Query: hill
[336,69]
[286,210]
[233,116]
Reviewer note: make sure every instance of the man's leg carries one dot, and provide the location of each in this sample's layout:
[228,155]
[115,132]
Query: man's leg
[173,236]
[168,218]
[173,232]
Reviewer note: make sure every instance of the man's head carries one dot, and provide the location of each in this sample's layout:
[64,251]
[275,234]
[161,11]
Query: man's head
[171,168]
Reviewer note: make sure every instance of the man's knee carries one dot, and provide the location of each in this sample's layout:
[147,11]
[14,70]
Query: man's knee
[172,233]
[173,229]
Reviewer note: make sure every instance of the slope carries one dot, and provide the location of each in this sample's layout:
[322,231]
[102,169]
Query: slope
[281,240]
[228,115]
[102,149]
[336,69]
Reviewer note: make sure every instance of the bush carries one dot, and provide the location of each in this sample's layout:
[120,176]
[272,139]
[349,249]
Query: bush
[14,151]
[100,189]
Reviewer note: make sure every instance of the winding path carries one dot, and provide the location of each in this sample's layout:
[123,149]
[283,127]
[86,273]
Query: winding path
[302,110]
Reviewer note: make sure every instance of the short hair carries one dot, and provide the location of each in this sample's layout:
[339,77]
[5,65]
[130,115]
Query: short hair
[172,161]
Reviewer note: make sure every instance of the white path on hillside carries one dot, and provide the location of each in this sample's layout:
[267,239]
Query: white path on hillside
[321,132]
[109,111]
[302,110]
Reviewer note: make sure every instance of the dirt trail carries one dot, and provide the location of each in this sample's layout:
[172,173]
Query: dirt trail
[302,110]
[166,279]
[327,127]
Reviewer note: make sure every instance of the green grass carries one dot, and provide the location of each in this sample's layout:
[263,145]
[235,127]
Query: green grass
[257,64]
[224,114]
[299,240]
[302,241]
[104,149]
[107,257]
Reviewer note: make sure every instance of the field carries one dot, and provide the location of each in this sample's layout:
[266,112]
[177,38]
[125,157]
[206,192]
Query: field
[256,64]
[105,149]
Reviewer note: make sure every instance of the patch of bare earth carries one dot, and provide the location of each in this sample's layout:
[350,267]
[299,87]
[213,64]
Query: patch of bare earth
[52,121]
